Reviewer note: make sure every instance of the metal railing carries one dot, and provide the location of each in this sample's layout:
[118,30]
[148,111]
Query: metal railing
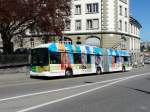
[7,60]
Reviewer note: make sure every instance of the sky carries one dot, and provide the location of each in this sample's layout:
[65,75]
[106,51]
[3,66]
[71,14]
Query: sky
[140,10]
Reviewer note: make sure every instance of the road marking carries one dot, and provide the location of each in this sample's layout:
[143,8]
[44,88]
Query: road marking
[74,87]
[78,94]
[29,83]
[8,85]
[56,90]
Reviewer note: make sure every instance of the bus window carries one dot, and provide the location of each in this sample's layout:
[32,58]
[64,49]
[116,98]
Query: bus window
[117,59]
[125,59]
[55,58]
[39,57]
[97,59]
[66,58]
[88,59]
[77,58]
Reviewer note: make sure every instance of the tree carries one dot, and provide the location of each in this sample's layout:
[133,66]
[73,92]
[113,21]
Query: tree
[142,48]
[148,48]
[18,16]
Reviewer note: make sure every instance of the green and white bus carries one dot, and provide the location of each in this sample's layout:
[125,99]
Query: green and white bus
[56,59]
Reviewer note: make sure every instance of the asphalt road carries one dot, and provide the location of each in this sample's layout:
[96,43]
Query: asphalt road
[113,92]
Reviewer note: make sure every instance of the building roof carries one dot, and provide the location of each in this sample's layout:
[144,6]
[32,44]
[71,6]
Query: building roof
[135,22]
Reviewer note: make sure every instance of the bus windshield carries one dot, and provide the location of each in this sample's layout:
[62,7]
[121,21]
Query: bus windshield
[39,57]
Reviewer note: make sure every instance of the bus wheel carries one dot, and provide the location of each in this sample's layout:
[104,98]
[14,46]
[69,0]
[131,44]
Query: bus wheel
[68,73]
[98,71]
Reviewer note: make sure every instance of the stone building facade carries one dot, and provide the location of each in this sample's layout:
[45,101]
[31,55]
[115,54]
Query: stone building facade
[102,23]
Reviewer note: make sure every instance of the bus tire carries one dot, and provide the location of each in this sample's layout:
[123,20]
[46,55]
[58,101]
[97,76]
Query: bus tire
[68,72]
[123,69]
[98,71]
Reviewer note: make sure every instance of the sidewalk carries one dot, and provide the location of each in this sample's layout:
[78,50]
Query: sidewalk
[15,74]
[5,66]
[14,70]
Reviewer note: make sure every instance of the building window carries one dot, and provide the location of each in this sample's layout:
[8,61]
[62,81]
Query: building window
[136,30]
[120,10]
[93,41]
[126,27]
[78,25]
[131,28]
[120,25]
[78,9]
[92,8]
[67,24]
[92,24]
[126,12]
[95,8]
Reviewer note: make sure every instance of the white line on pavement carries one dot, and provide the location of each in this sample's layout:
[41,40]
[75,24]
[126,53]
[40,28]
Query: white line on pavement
[56,90]
[26,83]
[78,94]
[74,87]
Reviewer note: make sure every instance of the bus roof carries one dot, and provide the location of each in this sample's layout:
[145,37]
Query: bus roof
[59,47]
[112,52]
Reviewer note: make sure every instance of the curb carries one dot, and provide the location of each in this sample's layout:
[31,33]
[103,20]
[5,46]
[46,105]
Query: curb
[13,66]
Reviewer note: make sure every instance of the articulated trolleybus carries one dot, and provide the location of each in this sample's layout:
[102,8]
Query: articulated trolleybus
[56,59]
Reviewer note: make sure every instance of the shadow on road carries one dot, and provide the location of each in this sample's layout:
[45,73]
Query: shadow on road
[75,76]
[136,89]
